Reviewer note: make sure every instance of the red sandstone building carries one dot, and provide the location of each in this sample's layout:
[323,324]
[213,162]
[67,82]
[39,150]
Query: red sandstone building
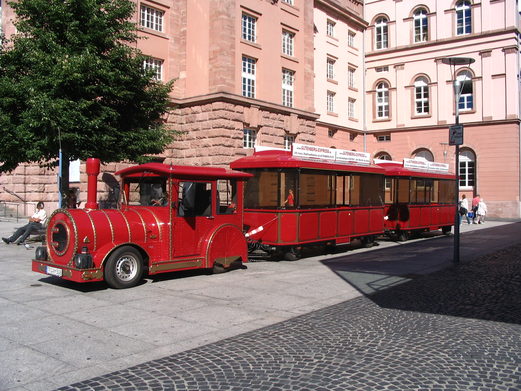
[336,73]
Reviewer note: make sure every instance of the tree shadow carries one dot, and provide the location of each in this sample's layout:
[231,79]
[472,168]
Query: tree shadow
[421,277]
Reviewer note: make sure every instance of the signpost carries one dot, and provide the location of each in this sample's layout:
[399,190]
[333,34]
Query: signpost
[456,139]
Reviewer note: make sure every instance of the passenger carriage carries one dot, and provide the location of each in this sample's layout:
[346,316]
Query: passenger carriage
[170,218]
[310,196]
[419,197]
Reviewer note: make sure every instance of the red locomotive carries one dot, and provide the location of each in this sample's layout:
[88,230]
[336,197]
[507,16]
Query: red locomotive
[171,218]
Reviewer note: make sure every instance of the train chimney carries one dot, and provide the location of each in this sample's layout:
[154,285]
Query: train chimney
[93,166]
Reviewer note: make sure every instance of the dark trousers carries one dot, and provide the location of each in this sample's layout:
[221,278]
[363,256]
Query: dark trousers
[24,232]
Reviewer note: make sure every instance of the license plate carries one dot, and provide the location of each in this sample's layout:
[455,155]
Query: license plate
[54,271]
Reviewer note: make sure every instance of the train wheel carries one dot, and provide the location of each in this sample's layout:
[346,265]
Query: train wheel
[292,254]
[403,236]
[446,230]
[124,268]
[218,268]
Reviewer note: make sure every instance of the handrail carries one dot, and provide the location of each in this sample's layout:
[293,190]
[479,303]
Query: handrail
[7,212]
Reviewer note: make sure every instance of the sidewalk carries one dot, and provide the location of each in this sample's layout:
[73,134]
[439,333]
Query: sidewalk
[54,333]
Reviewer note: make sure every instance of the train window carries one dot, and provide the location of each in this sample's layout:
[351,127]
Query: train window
[288,184]
[367,190]
[447,192]
[403,190]
[435,191]
[144,191]
[226,196]
[195,199]
[342,190]
[389,185]
[317,190]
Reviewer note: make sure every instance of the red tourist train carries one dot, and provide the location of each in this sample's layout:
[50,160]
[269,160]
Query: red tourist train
[177,217]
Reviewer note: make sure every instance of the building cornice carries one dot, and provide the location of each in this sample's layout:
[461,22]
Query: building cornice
[345,12]
[514,31]
[516,121]
[242,101]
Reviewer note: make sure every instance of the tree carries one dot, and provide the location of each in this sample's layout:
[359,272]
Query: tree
[72,78]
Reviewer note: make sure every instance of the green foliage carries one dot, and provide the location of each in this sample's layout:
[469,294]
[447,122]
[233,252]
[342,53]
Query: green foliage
[72,74]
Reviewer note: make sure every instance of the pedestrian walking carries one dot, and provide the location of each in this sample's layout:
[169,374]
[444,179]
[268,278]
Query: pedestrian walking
[482,211]
[464,209]
[475,202]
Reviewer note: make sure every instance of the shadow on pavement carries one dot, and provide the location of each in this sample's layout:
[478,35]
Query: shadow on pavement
[420,276]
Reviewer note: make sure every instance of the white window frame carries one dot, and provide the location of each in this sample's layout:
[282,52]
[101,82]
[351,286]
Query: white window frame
[463,18]
[288,81]
[249,138]
[382,100]
[351,108]
[330,68]
[351,35]
[351,77]
[288,39]
[421,96]
[421,26]
[330,28]
[466,100]
[467,170]
[330,102]
[249,27]
[288,141]
[249,65]
[156,65]
[381,28]
[151,18]
[290,2]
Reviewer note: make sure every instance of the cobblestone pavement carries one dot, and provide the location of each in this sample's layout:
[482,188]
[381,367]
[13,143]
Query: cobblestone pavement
[457,329]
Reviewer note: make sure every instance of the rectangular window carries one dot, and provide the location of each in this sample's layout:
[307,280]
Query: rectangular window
[290,2]
[351,108]
[288,78]
[249,138]
[155,65]
[151,18]
[269,188]
[288,142]
[249,24]
[195,199]
[384,137]
[331,68]
[351,39]
[226,196]
[351,77]
[330,29]
[248,76]
[287,43]
[330,102]
[367,190]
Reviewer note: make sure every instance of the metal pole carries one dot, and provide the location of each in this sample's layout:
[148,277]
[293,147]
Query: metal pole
[457,216]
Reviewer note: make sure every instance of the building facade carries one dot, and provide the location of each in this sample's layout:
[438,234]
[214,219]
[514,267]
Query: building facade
[336,73]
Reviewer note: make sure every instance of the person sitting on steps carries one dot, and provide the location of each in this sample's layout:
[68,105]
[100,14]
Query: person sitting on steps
[35,223]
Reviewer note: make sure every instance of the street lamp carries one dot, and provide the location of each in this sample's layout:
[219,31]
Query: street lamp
[456,139]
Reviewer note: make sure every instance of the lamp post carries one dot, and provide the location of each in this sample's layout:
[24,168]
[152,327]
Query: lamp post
[456,139]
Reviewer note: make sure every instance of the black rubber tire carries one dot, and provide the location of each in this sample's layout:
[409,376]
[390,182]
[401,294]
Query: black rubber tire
[446,230]
[124,268]
[218,268]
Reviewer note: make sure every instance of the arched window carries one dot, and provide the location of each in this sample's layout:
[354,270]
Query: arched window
[467,169]
[381,33]
[464,85]
[463,18]
[382,100]
[383,156]
[421,25]
[423,154]
[421,96]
